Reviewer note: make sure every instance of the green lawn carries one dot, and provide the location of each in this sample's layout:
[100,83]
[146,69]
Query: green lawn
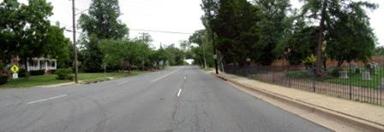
[51,79]
[354,79]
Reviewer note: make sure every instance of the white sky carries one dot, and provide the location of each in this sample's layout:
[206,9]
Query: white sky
[172,15]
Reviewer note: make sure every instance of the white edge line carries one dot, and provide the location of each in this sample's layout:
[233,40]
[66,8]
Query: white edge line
[179,93]
[47,99]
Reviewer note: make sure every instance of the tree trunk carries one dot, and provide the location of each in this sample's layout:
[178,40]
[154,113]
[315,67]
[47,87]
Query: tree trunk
[319,62]
[325,64]
[339,64]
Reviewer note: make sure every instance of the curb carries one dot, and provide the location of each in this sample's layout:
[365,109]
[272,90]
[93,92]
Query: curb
[361,123]
[96,81]
[57,85]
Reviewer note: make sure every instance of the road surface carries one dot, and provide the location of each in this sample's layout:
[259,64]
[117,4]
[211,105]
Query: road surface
[179,99]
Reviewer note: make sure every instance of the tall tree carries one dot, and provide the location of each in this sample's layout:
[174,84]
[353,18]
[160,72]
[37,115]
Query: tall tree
[202,54]
[330,13]
[233,25]
[351,37]
[101,22]
[272,28]
[25,31]
[11,29]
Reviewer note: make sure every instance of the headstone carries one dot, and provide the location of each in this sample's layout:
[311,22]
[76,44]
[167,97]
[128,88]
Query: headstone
[361,69]
[343,74]
[382,84]
[375,68]
[366,75]
[353,68]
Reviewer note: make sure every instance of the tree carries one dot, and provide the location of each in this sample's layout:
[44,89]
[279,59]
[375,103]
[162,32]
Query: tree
[233,25]
[175,56]
[126,54]
[57,46]
[11,29]
[351,37]
[102,20]
[92,56]
[100,23]
[331,14]
[25,31]
[145,37]
[272,29]
[36,28]
[185,45]
[201,52]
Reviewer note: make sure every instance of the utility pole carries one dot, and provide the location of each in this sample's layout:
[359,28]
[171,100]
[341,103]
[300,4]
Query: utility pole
[215,52]
[211,13]
[74,41]
[205,60]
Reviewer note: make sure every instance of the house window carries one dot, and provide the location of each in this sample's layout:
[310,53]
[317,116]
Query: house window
[53,64]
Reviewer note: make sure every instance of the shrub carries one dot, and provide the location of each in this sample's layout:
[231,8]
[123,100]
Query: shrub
[310,60]
[3,79]
[336,72]
[37,73]
[64,74]
[23,73]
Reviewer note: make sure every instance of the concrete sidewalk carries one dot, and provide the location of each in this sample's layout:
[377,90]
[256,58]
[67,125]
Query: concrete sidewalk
[355,111]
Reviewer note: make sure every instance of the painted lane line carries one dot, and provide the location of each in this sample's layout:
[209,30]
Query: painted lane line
[179,93]
[162,77]
[47,99]
[185,77]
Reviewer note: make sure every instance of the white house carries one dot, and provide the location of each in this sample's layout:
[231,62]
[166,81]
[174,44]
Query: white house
[45,64]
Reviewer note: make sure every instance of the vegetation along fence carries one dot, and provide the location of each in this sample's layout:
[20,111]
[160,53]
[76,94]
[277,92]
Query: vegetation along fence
[358,83]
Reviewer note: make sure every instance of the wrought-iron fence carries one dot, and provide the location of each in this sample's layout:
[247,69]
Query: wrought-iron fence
[358,83]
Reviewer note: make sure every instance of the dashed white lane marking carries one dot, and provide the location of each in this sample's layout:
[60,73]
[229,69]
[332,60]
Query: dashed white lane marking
[185,77]
[47,99]
[162,77]
[179,93]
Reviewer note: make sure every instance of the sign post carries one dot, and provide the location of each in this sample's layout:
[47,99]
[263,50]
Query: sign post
[15,69]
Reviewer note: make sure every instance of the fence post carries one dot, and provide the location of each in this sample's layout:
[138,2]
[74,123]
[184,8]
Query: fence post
[314,83]
[381,96]
[350,83]
[289,78]
[273,75]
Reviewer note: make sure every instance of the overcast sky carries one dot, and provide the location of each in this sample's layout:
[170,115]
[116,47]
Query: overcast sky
[181,16]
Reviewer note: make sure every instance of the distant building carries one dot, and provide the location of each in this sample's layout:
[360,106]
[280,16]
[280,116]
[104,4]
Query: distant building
[36,64]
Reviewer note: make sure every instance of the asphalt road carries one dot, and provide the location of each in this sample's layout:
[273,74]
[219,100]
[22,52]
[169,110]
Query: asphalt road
[179,99]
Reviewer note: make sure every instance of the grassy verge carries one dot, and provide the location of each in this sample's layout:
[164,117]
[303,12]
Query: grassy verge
[353,80]
[51,79]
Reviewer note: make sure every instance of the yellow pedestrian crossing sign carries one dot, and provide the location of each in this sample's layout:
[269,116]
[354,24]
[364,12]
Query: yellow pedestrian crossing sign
[15,69]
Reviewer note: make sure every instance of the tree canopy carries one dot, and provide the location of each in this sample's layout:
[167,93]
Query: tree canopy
[266,30]
[100,23]
[25,31]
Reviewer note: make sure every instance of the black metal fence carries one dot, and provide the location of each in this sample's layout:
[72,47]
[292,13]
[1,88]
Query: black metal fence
[358,83]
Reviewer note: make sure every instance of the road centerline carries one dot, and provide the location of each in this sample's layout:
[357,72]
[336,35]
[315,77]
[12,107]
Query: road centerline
[47,99]
[179,92]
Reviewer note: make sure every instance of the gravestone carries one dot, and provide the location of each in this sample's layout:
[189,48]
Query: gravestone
[381,84]
[343,74]
[375,68]
[366,75]
[354,68]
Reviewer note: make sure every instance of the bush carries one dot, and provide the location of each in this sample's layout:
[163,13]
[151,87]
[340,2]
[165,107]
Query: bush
[64,74]
[336,72]
[3,79]
[23,73]
[37,73]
